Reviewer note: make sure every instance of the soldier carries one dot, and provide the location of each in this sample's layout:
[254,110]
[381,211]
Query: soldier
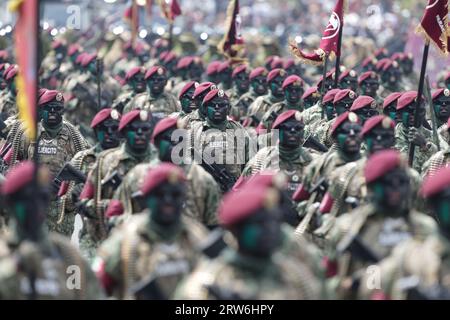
[8,107]
[369,64]
[211,71]
[406,63]
[329,81]
[68,67]
[51,76]
[291,67]
[406,133]
[186,99]
[390,78]
[224,72]
[268,62]
[189,69]
[441,105]
[258,88]
[135,80]
[378,227]
[202,192]
[156,99]
[390,106]
[127,61]
[105,125]
[288,156]
[256,268]
[423,262]
[260,106]
[241,84]
[310,98]
[345,132]
[154,249]
[365,107]
[34,264]
[58,141]
[293,90]
[199,114]
[220,140]
[348,80]
[321,113]
[170,62]
[437,160]
[369,84]
[113,164]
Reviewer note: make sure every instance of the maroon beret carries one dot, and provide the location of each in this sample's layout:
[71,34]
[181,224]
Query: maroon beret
[391,98]
[237,206]
[88,58]
[346,73]
[188,86]
[285,116]
[185,62]
[57,43]
[223,66]
[447,76]
[342,94]
[73,48]
[127,118]
[381,163]
[276,63]
[398,56]
[374,121]
[51,95]
[163,55]
[18,177]
[350,116]
[381,63]
[380,52]
[164,125]
[269,59]
[239,69]
[441,92]
[11,72]
[390,64]
[329,96]
[214,93]
[329,75]
[406,99]
[367,75]
[260,71]
[4,54]
[103,115]
[133,71]
[155,69]
[289,62]
[212,67]
[275,73]
[80,57]
[369,60]
[115,208]
[2,66]
[164,172]
[267,179]
[362,102]
[203,87]
[310,91]
[293,79]
[435,183]
[170,56]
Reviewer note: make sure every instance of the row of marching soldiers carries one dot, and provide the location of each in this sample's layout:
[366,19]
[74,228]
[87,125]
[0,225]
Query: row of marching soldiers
[316,201]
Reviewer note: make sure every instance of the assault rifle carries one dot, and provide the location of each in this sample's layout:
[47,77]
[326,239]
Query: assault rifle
[147,289]
[68,173]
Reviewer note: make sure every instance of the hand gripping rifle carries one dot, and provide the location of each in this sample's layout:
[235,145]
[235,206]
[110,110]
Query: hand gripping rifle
[68,173]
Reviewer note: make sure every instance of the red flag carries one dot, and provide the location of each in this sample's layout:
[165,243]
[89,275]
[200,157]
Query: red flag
[131,15]
[330,38]
[170,9]
[149,4]
[26,37]
[434,24]
[232,43]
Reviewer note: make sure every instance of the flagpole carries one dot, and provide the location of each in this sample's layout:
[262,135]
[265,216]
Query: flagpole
[419,98]
[322,87]
[338,58]
[170,35]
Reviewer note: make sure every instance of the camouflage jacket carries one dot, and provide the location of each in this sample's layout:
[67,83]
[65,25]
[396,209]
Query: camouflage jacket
[52,263]
[424,264]
[202,193]
[273,112]
[234,276]
[160,107]
[122,100]
[8,106]
[378,232]
[443,133]
[312,115]
[190,118]
[260,106]
[239,107]
[421,155]
[228,146]
[436,161]
[136,251]
[270,159]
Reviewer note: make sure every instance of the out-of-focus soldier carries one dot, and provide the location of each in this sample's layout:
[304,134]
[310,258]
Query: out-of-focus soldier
[135,82]
[188,69]
[348,80]
[441,105]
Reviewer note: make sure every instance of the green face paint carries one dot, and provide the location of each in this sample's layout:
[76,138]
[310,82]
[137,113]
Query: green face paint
[250,236]
[369,143]
[152,205]
[405,118]
[341,138]
[100,136]
[444,213]
[20,211]
[378,191]
[392,115]
[131,136]
[185,103]
[164,150]
[281,136]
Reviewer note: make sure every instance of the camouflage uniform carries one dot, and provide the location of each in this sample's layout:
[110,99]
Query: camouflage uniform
[8,105]
[50,261]
[202,193]
[260,106]
[54,152]
[247,278]
[436,161]
[240,105]
[312,115]
[137,250]
[160,107]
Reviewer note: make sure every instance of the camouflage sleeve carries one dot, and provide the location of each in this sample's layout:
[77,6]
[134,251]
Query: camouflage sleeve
[123,194]
[212,200]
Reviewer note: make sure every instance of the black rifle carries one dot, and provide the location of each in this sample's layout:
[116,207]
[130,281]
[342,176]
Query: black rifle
[223,294]
[315,144]
[113,180]
[225,179]
[137,201]
[147,289]
[68,173]
[436,292]
[213,245]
